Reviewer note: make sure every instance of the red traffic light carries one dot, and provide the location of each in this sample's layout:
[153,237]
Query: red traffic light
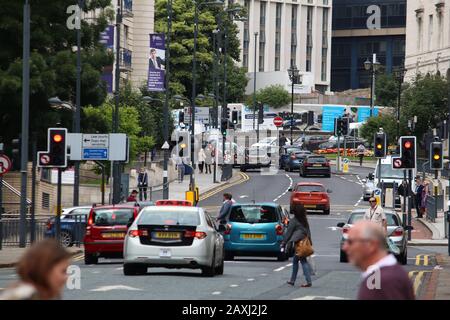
[57,138]
[407,145]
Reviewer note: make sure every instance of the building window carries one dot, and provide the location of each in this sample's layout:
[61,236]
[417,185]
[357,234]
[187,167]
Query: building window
[294,34]
[430,32]
[126,32]
[309,42]
[420,33]
[278,36]
[324,65]
[262,34]
[440,30]
[246,41]
[45,200]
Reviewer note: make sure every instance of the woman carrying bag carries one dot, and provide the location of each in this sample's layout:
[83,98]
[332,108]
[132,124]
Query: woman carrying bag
[298,238]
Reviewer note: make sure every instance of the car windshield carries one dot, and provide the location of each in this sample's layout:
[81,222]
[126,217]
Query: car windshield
[310,189]
[290,150]
[267,140]
[317,160]
[113,217]
[388,173]
[253,214]
[392,220]
[171,218]
[300,155]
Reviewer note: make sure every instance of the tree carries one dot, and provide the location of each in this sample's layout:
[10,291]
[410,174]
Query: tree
[275,96]
[386,89]
[426,97]
[373,124]
[52,64]
[182,44]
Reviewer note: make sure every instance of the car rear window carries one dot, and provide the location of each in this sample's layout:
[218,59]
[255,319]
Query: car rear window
[310,189]
[171,218]
[301,155]
[317,160]
[113,217]
[253,214]
[392,220]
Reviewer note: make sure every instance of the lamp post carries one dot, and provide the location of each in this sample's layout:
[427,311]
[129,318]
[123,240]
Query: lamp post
[215,96]
[372,66]
[293,76]
[254,82]
[399,74]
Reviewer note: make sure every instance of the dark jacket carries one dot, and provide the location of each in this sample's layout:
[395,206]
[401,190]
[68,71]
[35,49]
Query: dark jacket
[143,179]
[296,232]
[224,210]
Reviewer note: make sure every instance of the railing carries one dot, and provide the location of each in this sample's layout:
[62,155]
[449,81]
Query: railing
[10,226]
[125,59]
[432,207]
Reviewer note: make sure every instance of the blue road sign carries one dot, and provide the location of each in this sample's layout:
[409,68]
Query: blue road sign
[95,154]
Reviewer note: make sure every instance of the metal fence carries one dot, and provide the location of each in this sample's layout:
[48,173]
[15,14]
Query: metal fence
[432,207]
[424,167]
[10,226]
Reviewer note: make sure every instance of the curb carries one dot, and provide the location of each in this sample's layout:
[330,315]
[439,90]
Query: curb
[431,228]
[352,164]
[428,243]
[238,179]
[13,264]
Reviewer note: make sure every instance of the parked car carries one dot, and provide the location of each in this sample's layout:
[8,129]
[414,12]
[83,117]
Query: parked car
[312,143]
[312,196]
[255,158]
[269,143]
[106,230]
[395,232]
[315,165]
[255,230]
[73,224]
[285,153]
[296,159]
[368,187]
[174,237]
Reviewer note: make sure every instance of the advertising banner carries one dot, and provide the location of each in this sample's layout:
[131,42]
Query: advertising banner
[156,62]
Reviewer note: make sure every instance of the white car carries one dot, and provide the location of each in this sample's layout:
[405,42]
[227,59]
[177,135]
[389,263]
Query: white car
[269,143]
[173,237]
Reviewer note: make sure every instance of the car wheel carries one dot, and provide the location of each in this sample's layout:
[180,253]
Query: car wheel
[282,256]
[132,269]
[229,256]
[327,212]
[328,176]
[243,169]
[219,269]
[343,257]
[90,258]
[403,258]
[66,239]
[209,271]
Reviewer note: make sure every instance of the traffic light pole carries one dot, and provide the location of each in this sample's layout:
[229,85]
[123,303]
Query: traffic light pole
[409,202]
[404,217]
[339,154]
[379,172]
[58,207]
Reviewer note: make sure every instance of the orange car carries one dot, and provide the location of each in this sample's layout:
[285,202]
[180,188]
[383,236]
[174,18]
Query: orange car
[311,195]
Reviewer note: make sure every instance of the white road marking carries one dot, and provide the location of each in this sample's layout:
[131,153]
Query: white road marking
[250,279]
[117,287]
[263,274]
[244,196]
[325,255]
[216,293]
[333,228]
[95,272]
[320,298]
[234,285]
[236,262]
[291,182]
[121,268]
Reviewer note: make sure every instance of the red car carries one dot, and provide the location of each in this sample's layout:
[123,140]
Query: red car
[311,195]
[105,231]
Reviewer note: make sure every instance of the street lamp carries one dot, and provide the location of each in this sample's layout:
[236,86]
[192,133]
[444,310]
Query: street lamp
[372,66]
[399,74]
[57,103]
[293,76]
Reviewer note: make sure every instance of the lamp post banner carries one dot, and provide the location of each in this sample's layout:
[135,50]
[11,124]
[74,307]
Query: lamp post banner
[156,62]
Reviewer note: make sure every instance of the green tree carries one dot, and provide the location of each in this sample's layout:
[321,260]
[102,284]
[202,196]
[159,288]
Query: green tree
[275,96]
[373,124]
[386,89]
[52,64]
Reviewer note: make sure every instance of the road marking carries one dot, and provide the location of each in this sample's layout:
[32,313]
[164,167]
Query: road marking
[117,287]
[121,268]
[216,293]
[325,255]
[250,279]
[419,259]
[359,201]
[263,274]
[244,196]
[244,178]
[234,285]
[334,228]
[418,278]
[291,182]
[320,298]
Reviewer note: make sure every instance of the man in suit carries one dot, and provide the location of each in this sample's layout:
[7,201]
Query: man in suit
[155,62]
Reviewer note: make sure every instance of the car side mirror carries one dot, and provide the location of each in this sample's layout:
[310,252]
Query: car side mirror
[290,189]
[221,228]
[341,224]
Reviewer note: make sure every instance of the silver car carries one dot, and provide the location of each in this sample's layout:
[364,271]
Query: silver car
[368,187]
[395,231]
[173,237]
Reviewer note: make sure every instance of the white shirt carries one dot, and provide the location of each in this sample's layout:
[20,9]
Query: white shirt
[387,261]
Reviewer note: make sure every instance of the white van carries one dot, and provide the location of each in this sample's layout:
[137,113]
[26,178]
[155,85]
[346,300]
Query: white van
[389,175]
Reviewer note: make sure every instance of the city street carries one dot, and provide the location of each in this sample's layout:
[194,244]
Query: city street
[254,278]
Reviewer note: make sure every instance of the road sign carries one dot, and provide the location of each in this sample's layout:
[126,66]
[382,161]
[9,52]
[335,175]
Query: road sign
[345,166]
[278,121]
[165,146]
[5,164]
[95,141]
[44,158]
[397,164]
[97,154]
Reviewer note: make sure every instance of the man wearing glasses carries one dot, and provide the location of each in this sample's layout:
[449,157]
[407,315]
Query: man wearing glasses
[376,214]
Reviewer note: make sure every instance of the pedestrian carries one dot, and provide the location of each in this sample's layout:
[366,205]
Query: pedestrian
[153,154]
[282,140]
[209,158]
[418,197]
[228,201]
[297,234]
[383,277]
[42,271]
[180,168]
[143,184]
[376,214]
[361,151]
[425,195]
[133,196]
[201,159]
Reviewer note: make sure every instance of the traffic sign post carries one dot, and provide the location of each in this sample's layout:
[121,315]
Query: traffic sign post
[346,164]
[278,121]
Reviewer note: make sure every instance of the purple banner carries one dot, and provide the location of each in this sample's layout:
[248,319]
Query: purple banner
[107,39]
[156,62]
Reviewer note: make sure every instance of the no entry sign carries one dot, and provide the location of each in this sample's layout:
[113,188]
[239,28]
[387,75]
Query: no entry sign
[5,164]
[278,121]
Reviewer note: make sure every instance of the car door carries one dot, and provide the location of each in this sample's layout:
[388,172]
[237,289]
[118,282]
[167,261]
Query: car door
[217,241]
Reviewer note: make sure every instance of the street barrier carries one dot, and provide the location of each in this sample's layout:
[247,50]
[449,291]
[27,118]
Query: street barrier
[431,209]
[10,230]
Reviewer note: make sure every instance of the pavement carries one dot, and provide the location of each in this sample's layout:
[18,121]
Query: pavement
[9,256]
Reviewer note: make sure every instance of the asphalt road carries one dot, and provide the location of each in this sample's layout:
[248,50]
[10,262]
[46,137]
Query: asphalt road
[252,278]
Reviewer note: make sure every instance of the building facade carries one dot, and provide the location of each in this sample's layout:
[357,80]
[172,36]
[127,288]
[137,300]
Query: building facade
[428,38]
[290,32]
[361,28]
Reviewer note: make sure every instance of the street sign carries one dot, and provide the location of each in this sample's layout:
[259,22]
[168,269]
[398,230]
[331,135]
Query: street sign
[397,163]
[278,121]
[97,154]
[165,146]
[44,158]
[95,141]
[5,164]
[346,165]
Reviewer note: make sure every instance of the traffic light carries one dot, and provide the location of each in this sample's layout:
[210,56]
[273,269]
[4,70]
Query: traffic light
[181,117]
[15,152]
[380,145]
[436,156]
[408,152]
[223,126]
[58,147]
[340,127]
[344,125]
[260,113]
[310,118]
[234,116]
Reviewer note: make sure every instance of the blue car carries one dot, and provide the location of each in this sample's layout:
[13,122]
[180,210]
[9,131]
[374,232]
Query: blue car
[285,153]
[255,230]
[295,160]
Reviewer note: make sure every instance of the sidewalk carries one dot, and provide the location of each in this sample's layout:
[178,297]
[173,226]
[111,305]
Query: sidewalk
[439,288]
[10,256]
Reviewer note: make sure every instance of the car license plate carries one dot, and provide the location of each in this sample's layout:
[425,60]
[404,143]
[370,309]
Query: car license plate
[167,235]
[317,165]
[311,206]
[165,253]
[252,236]
[113,235]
